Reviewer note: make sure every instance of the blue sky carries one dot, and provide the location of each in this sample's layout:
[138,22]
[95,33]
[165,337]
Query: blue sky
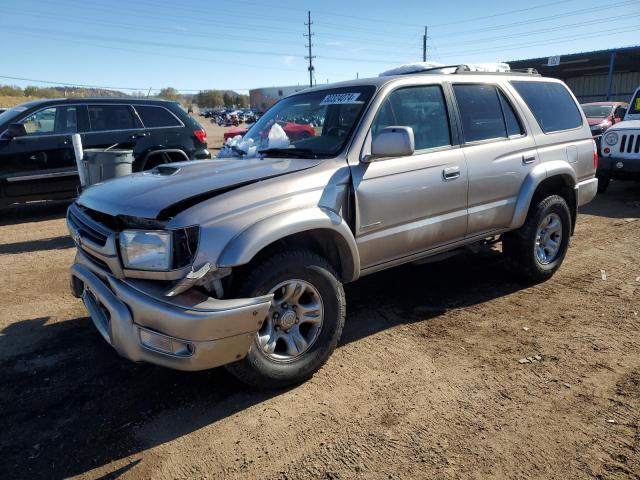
[238,44]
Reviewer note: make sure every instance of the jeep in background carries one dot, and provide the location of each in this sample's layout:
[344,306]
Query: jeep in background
[37,161]
[620,149]
[601,115]
[240,261]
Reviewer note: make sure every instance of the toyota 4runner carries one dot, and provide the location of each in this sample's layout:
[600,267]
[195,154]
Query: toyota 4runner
[240,261]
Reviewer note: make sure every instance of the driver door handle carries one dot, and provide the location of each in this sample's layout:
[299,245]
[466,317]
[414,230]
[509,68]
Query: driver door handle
[451,173]
[139,135]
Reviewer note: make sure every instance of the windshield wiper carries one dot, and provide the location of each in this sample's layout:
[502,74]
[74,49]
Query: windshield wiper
[290,152]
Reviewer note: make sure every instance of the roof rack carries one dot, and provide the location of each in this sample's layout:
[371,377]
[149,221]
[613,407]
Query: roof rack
[466,69]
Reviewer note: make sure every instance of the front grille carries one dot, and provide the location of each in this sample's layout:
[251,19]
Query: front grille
[87,228]
[96,261]
[630,144]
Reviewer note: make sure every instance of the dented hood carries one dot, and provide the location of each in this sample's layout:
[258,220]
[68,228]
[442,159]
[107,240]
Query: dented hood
[169,189]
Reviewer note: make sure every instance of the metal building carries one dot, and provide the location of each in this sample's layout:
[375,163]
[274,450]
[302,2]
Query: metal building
[262,98]
[592,76]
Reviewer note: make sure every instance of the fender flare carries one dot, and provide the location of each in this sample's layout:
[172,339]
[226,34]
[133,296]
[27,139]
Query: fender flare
[539,173]
[244,246]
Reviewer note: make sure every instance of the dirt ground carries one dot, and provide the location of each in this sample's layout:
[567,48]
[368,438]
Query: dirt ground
[426,382]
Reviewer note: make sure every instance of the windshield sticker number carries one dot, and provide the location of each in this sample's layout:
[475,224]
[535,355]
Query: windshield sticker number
[340,98]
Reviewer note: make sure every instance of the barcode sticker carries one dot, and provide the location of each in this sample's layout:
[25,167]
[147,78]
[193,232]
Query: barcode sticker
[340,98]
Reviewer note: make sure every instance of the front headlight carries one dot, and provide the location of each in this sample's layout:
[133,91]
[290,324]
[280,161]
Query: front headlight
[611,138]
[146,249]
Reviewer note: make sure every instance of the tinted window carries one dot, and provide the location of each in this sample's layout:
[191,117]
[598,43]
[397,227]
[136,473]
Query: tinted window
[111,117]
[52,120]
[510,118]
[551,104]
[421,108]
[156,117]
[480,112]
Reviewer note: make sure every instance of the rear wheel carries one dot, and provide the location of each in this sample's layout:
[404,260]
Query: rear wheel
[303,325]
[536,250]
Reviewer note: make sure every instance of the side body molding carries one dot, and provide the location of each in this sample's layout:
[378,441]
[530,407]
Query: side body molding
[542,171]
[242,248]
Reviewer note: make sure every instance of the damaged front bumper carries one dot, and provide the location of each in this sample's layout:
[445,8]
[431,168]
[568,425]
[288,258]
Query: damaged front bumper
[189,331]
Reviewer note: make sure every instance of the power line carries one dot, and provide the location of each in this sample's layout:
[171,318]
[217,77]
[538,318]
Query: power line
[537,31]
[537,20]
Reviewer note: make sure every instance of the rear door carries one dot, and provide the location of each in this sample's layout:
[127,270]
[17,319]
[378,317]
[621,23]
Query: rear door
[499,152]
[112,124]
[42,162]
[409,205]
[164,129]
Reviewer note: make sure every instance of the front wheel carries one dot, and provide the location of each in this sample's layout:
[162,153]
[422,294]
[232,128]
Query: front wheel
[303,325]
[536,250]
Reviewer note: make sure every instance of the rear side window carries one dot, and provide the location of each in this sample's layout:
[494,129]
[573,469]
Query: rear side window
[154,117]
[480,112]
[421,108]
[551,104]
[510,118]
[111,117]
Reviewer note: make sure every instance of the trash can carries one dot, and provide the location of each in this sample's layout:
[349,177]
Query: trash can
[105,164]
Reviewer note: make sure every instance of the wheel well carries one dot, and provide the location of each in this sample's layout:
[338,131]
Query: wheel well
[325,242]
[558,185]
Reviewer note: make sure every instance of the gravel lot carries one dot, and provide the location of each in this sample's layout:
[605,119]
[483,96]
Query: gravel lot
[426,382]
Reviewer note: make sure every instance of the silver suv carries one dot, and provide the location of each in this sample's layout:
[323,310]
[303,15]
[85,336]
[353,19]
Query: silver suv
[240,261]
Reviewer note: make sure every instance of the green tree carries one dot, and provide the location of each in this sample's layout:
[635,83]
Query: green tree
[169,93]
[227,98]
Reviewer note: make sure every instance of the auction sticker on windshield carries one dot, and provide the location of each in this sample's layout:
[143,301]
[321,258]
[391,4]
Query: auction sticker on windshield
[340,98]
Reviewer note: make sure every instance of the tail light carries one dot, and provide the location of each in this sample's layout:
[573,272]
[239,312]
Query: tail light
[595,154]
[201,135]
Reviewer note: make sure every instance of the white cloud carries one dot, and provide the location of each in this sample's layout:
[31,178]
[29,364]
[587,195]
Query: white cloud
[334,44]
[288,60]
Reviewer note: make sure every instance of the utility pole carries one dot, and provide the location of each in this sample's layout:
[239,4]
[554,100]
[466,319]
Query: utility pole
[310,57]
[424,45]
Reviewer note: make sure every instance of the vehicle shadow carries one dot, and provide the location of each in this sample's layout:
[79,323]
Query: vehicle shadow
[621,200]
[70,404]
[33,212]
[54,243]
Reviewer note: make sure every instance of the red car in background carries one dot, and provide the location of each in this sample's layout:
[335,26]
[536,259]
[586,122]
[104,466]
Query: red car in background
[295,131]
[601,115]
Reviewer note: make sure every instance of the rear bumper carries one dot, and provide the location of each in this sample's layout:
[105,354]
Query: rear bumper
[586,191]
[202,154]
[182,333]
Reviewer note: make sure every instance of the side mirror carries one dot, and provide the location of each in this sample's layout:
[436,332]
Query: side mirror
[392,142]
[15,130]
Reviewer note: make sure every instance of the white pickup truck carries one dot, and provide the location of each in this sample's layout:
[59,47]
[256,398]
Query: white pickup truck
[620,154]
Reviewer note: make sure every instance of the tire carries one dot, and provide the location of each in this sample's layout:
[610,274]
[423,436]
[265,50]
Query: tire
[520,246]
[603,183]
[260,368]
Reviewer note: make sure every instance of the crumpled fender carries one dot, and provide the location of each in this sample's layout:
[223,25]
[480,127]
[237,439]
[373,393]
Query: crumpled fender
[242,248]
[537,175]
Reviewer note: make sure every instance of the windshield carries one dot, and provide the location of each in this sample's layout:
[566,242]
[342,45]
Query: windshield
[596,111]
[634,108]
[308,125]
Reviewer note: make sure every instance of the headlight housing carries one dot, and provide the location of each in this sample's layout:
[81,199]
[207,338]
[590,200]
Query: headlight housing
[146,249]
[611,138]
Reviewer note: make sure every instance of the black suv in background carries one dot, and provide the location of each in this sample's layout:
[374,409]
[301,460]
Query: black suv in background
[36,153]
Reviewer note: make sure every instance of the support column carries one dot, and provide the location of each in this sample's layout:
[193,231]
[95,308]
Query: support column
[612,62]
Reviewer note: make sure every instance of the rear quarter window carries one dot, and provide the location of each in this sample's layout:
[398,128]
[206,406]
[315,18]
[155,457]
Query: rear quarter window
[154,117]
[551,105]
